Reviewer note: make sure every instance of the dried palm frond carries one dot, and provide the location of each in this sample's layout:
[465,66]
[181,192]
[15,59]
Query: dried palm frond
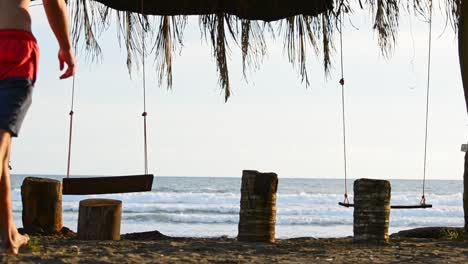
[164,50]
[169,39]
[84,21]
[130,29]
[386,23]
[327,28]
[453,12]
[214,27]
[302,32]
[253,45]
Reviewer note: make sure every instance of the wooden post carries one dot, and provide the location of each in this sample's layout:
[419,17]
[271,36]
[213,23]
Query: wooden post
[463,46]
[465,192]
[99,219]
[464,148]
[257,216]
[42,205]
[371,210]
[463,56]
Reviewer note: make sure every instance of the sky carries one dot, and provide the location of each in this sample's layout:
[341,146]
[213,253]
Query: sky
[271,123]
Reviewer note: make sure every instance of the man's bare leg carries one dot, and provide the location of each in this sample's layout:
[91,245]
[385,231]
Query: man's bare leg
[12,239]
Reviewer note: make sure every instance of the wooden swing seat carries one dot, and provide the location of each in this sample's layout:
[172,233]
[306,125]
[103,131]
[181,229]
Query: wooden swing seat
[419,206]
[107,185]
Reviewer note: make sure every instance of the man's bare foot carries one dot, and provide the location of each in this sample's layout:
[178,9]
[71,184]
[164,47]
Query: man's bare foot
[17,242]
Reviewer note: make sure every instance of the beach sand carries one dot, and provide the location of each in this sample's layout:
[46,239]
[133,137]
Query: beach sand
[153,247]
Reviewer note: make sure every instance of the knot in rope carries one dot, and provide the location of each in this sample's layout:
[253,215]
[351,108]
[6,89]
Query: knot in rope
[423,200]
[144,114]
[342,81]
[346,200]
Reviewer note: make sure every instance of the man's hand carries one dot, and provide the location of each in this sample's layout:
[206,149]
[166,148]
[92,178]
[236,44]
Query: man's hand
[56,11]
[67,57]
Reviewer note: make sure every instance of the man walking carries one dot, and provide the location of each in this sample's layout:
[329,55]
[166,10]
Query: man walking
[19,56]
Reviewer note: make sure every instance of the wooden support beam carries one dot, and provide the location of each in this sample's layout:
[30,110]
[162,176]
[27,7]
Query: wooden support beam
[464,148]
[267,10]
[463,56]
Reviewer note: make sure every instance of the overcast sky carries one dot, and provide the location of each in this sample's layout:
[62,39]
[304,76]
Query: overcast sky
[271,123]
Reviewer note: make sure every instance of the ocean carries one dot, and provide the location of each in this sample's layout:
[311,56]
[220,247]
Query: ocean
[209,206]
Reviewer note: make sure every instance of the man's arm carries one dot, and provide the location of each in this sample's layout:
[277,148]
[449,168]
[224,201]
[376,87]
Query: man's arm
[56,11]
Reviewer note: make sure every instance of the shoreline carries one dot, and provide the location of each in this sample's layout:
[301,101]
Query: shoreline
[154,247]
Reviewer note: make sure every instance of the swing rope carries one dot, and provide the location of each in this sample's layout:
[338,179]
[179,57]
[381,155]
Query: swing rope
[342,83]
[144,114]
[70,134]
[112,184]
[423,197]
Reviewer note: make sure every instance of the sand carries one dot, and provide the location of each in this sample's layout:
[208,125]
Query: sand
[153,247]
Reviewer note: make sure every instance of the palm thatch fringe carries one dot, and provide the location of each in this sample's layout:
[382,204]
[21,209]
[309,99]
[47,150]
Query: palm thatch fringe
[301,32]
[327,31]
[253,45]
[386,23]
[84,21]
[214,29]
[168,31]
[453,12]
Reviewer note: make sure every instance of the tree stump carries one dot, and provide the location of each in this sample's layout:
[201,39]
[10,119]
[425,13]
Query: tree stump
[257,217]
[99,219]
[42,205]
[371,210]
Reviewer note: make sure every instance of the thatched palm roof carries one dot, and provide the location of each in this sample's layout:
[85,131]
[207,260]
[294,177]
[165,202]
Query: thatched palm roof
[246,9]
[303,25]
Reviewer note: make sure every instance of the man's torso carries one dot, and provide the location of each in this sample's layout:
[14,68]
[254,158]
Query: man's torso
[19,53]
[14,14]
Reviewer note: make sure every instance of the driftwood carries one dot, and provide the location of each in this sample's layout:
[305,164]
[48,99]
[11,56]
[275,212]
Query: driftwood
[42,205]
[371,210]
[428,232]
[257,217]
[148,236]
[99,219]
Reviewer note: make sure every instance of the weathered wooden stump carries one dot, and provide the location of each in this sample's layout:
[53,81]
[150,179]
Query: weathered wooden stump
[99,219]
[371,210]
[42,205]
[257,217]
